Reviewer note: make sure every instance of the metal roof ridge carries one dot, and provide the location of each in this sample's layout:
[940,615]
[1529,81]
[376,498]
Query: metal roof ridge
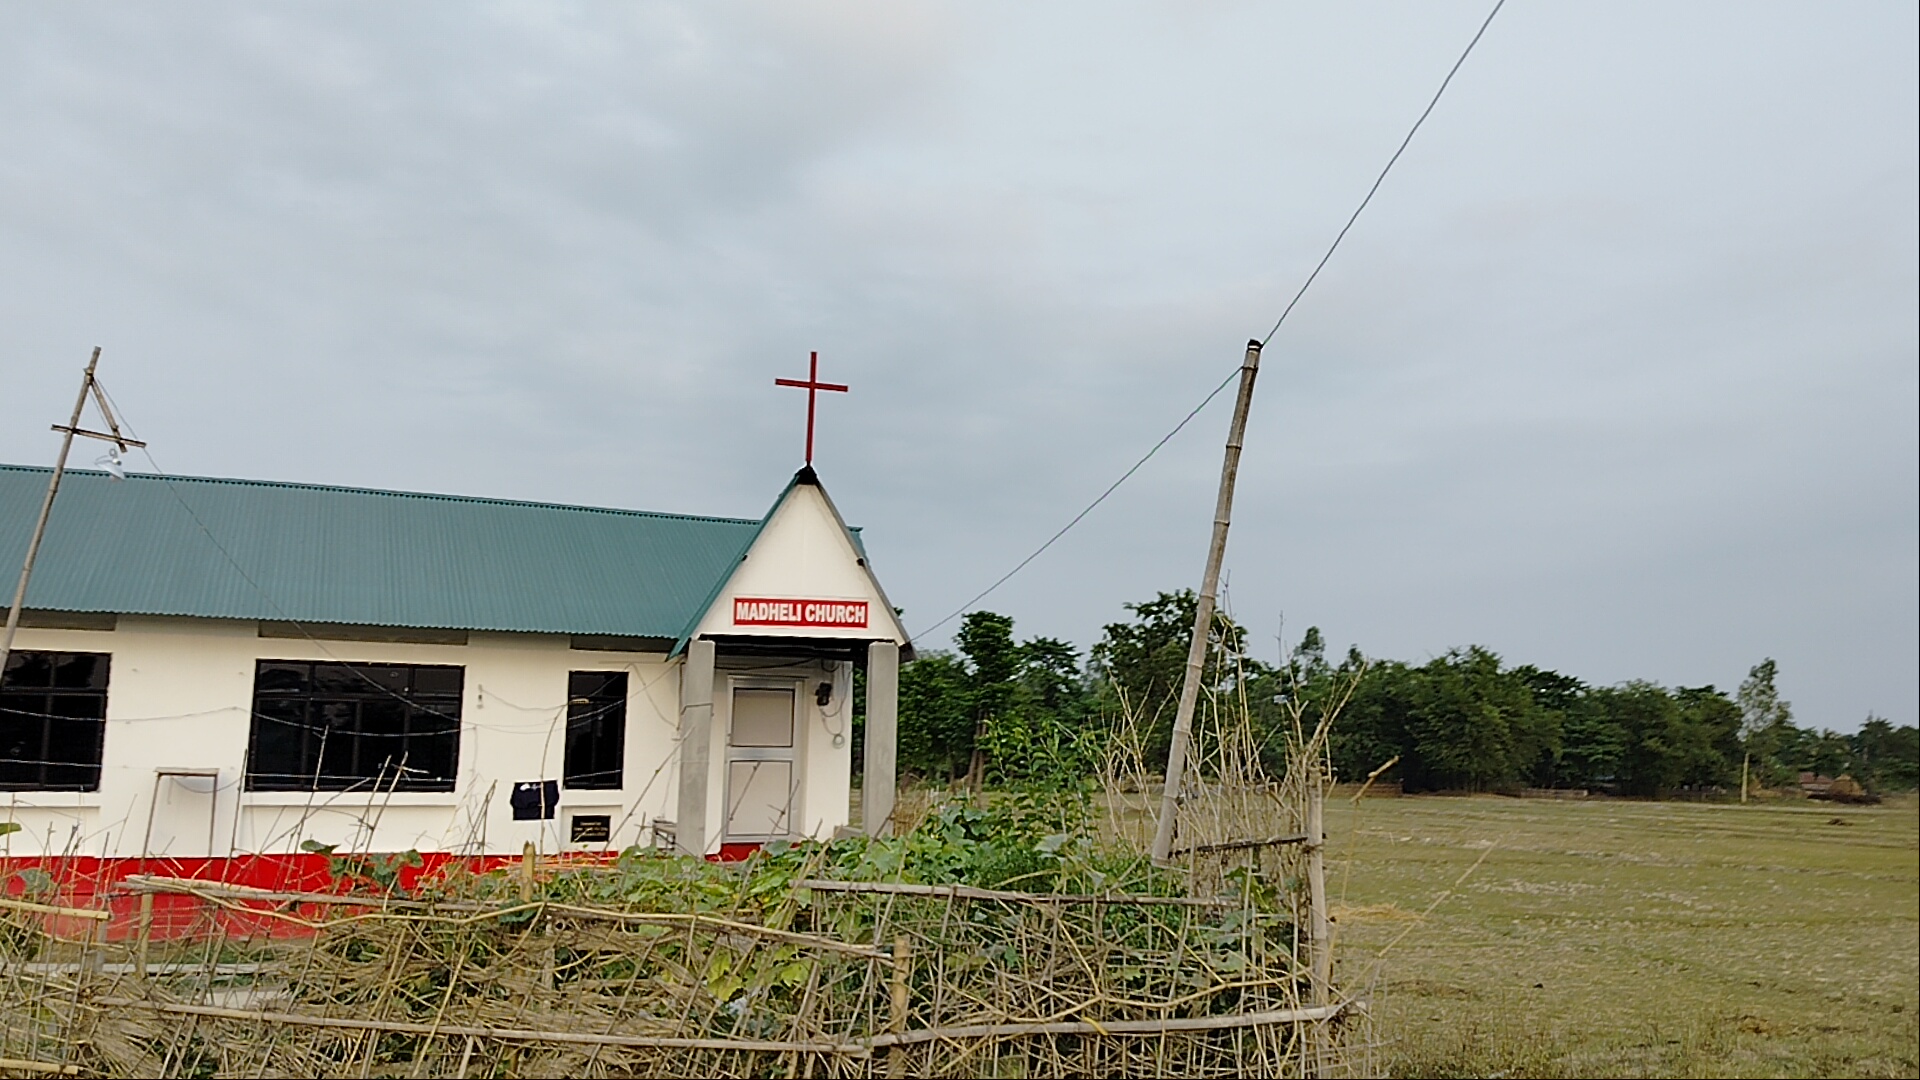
[485,500]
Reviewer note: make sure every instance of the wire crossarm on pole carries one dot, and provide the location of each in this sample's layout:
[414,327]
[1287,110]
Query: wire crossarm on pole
[89,387]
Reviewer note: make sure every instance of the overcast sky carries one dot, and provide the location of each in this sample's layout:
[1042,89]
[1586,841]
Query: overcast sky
[1616,376]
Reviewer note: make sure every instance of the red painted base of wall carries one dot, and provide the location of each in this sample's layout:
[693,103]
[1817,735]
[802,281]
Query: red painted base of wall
[735,852]
[92,883]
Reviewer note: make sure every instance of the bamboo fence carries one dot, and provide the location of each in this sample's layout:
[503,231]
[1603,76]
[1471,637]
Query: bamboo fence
[491,976]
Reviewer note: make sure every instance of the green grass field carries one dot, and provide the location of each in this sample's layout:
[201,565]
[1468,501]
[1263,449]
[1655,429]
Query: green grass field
[1612,938]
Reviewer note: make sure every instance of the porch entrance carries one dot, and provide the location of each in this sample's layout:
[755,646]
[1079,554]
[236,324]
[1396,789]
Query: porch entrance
[763,767]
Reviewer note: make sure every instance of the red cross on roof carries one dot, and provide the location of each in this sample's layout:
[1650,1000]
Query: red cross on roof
[812,385]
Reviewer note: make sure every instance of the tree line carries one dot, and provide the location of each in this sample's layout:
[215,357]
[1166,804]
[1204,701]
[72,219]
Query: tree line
[998,709]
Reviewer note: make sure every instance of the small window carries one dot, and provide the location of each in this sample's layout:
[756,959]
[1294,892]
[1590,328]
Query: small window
[596,729]
[53,720]
[341,727]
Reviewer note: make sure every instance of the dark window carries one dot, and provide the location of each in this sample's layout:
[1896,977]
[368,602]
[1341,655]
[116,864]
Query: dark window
[53,720]
[339,727]
[596,728]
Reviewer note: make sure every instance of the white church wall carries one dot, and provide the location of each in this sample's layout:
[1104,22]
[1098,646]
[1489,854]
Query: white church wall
[180,697]
[826,799]
[803,553]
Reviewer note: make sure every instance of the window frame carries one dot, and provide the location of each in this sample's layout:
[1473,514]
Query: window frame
[603,708]
[42,706]
[355,699]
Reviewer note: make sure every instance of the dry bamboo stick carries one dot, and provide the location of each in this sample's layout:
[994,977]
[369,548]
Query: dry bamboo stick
[1374,775]
[50,909]
[1268,1018]
[857,1050]
[1240,845]
[969,892]
[217,892]
[150,883]
[23,1065]
[187,967]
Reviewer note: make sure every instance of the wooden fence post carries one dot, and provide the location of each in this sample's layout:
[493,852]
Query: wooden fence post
[145,935]
[897,1019]
[1319,926]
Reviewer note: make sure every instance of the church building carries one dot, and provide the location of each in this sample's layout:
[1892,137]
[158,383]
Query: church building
[232,678]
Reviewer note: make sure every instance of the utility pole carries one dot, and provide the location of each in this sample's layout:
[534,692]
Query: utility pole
[1203,613]
[88,385]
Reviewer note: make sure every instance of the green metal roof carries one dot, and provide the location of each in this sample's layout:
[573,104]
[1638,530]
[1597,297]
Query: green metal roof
[248,549]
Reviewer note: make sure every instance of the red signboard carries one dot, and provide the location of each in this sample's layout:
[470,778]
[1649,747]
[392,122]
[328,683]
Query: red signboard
[761,611]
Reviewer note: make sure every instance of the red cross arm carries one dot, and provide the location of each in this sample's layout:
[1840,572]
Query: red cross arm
[805,385]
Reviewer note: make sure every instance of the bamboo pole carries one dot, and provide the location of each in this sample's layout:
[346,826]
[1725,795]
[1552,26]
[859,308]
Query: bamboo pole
[51,909]
[899,997]
[145,936]
[8,1064]
[1319,926]
[1241,845]
[472,911]
[1268,1018]
[969,892]
[1169,1025]
[404,1027]
[1320,930]
[46,508]
[1163,829]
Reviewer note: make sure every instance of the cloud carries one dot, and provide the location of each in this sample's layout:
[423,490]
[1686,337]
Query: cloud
[1616,374]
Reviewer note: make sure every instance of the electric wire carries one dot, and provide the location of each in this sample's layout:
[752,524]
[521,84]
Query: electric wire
[1288,310]
[1111,488]
[1378,180]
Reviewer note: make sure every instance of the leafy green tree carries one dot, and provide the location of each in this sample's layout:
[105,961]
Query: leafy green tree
[1656,754]
[1304,683]
[1886,758]
[998,710]
[1710,741]
[1042,737]
[1898,761]
[1029,713]
[1556,698]
[1051,677]
[1472,725]
[1763,716]
[1142,662]
[1825,753]
[1593,743]
[1670,739]
[936,716]
[986,640]
[1373,727]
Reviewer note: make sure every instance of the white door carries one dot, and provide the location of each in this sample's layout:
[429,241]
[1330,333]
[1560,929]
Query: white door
[763,774]
[181,819]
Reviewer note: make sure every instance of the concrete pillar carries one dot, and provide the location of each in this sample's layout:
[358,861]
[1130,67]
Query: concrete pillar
[883,738]
[696,746]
